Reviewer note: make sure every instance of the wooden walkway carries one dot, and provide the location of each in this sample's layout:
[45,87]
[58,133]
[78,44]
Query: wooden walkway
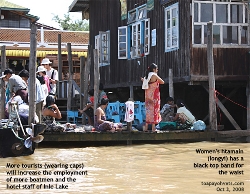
[162,136]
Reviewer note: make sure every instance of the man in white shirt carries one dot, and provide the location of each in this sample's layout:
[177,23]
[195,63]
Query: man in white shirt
[52,74]
[183,114]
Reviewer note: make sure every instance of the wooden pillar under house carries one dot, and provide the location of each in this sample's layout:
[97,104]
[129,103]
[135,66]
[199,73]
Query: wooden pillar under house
[32,74]
[3,67]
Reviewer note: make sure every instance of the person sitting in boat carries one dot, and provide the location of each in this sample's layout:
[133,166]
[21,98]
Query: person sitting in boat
[183,115]
[51,112]
[101,124]
[167,111]
[23,110]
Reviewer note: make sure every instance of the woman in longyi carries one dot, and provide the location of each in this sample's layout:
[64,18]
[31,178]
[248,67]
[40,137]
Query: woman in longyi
[152,96]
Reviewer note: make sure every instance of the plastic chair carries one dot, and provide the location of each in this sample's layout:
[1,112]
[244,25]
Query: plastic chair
[77,116]
[137,112]
[112,112]
[122,111]
[71,115]
[143,111]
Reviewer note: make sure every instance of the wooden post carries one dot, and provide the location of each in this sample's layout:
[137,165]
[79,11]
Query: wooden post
[59,56]
[211,82]
[82,92]
[131,94]
[32,74]
[131,91]
[69,101]
[248,85]
[86,77]
[3,67]
[171,85]
[96,78]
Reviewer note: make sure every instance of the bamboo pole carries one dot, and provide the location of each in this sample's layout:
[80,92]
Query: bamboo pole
[69,101]
[3,67]
[96,78]
[211,82]
[171,85]
[32,74]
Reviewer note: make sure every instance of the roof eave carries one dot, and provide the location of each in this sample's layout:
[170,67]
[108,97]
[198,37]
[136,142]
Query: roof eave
[79,5]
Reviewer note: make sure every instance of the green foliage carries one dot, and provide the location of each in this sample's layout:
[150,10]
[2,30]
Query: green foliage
[68,24]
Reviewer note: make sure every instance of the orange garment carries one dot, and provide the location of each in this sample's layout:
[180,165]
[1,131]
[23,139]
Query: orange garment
[152,103]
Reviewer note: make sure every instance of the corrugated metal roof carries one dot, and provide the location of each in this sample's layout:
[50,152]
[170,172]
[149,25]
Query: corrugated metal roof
[26,53]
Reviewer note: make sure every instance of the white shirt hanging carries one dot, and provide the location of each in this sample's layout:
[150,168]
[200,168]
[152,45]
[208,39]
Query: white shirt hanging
[129,115]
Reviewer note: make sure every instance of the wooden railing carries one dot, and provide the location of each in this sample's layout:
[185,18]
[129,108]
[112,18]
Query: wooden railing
[62,89]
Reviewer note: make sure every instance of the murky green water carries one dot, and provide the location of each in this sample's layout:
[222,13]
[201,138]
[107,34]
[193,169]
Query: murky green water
[149,168]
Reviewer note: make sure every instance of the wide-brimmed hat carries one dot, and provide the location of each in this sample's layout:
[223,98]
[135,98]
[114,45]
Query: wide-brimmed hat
[46,61]
[3,75]
[41,69]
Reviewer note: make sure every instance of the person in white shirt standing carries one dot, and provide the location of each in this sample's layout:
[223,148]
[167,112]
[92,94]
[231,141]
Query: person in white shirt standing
[52,74]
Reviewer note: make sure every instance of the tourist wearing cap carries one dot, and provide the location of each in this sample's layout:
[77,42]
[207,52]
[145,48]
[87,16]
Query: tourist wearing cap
[17,85]
[44,79]
[52,74]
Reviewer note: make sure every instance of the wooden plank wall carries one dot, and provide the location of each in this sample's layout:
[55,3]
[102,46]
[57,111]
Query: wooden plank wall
[229,63]
[187,62]
[123,73]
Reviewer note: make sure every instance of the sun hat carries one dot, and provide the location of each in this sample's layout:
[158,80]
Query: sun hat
[3,75]
[46,61]
[41,69]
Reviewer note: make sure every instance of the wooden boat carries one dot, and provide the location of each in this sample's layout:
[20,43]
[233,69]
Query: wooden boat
[14,140]
[15,143]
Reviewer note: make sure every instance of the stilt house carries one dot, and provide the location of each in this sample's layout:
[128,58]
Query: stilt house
[132,34]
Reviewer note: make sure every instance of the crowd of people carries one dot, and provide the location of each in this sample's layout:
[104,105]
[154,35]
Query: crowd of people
[47,111]
[17,89]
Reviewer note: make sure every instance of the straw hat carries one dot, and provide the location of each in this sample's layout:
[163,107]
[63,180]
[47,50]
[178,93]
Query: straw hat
[41,69]
[46,61]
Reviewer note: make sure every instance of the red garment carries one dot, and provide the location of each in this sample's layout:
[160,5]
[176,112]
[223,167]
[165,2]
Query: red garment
[92,99]
[152,103]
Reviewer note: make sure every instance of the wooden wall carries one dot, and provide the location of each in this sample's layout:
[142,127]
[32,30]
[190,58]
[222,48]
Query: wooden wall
[230,64]
[105,15]
[188,63]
